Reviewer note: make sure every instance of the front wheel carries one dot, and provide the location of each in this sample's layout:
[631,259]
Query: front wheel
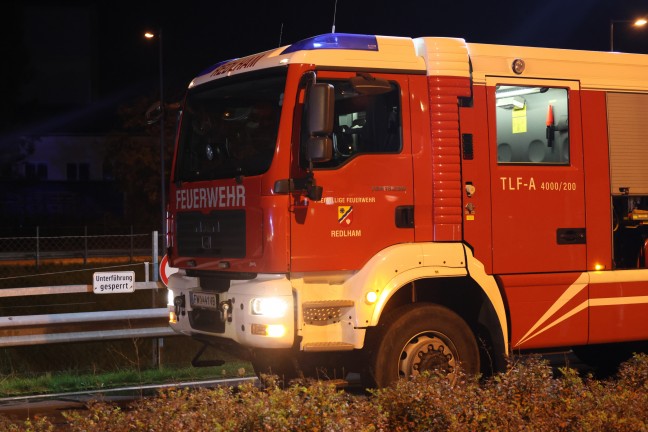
[422,337]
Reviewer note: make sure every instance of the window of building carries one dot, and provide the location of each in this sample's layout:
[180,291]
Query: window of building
[41,171]
[72,172]
[78,171]
[35,171]
[108,170]
[84,171]
[532,125]
[30,170]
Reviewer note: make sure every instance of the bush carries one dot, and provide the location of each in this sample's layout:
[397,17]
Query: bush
[317,406]
[526,397]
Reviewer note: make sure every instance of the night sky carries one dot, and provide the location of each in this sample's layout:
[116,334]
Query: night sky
[83,53]
[200,33]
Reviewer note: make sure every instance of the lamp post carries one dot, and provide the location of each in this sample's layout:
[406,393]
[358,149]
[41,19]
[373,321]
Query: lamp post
[636,23]
[150,35]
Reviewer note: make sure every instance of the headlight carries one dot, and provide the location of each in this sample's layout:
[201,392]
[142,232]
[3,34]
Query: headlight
[271,307]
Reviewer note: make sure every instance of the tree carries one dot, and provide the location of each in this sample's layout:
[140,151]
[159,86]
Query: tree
[134,153]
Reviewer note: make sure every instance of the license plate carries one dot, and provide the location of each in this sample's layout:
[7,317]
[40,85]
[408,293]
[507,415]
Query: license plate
[203,300]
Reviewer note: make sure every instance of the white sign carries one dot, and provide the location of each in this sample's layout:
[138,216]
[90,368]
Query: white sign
[113,282]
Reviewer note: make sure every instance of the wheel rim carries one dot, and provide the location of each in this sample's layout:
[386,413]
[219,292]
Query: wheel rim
[428,351]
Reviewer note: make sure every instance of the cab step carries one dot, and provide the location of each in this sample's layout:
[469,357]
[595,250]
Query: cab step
[327,346]
[325,310]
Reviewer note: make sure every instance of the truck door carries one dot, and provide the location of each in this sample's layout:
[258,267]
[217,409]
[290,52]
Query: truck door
[538,195]
[367,201]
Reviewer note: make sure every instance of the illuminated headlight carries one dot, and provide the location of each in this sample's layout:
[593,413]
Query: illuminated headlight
[271,307]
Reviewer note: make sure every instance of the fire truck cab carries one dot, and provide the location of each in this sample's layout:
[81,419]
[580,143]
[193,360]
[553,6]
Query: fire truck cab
[388,205]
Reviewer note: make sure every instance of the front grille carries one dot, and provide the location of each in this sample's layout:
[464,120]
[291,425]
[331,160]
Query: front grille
[219,234]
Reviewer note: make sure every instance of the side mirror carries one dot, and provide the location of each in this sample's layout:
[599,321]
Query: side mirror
[320,104]
[319,149]
[320,111]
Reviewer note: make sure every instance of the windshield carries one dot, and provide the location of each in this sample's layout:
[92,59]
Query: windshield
[229,130]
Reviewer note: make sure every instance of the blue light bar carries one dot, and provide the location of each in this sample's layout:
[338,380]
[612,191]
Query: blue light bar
[335,41]
[213,67]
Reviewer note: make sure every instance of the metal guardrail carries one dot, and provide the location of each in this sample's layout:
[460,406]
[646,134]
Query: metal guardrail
[102,325]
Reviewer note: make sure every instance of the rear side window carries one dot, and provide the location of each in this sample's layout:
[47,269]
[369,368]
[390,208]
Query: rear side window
[532,125]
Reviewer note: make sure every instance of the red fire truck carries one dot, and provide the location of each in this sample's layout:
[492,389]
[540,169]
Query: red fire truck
[388,205]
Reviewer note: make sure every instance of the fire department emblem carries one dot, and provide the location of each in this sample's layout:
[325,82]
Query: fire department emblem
[344,214]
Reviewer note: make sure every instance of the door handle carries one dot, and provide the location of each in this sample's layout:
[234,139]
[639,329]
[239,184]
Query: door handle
[566,236]
[405,216]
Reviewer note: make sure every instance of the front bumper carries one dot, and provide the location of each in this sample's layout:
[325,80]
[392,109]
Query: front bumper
[240,314]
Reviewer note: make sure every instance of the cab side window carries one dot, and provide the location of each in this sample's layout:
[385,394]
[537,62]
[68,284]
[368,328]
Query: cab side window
[364,123]
[532,125]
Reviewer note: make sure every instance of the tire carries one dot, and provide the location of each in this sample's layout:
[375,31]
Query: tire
[420,337]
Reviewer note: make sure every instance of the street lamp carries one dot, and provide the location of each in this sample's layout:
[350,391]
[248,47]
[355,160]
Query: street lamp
[636,23]
[151,35]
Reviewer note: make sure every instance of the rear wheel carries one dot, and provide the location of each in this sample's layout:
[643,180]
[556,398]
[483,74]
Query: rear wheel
[422,337]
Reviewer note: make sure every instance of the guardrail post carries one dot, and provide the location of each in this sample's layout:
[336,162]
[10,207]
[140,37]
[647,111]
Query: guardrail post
[85,245]
[146,272]
[132,236]
[37,248]
[160,350]
[156,267]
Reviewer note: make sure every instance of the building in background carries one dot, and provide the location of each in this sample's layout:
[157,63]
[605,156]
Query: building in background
[57,181]
[57,123]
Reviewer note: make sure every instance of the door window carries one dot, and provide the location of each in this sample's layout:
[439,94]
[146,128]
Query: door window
[532,125]
[364,123]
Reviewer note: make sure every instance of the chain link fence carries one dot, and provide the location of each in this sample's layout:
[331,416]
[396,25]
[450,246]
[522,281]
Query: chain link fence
[51,260]
[67,260]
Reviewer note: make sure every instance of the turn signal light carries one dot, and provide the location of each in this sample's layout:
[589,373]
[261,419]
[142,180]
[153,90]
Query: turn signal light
[371,297]
[270,330]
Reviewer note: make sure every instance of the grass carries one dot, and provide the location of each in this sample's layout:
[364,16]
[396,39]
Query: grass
[73,381]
